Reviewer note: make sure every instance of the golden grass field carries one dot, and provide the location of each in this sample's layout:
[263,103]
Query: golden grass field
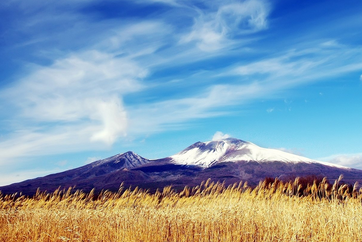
[272,211]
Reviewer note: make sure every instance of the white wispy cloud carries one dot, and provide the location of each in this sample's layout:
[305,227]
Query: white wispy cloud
[82,96]
[214,30]
[79,102]
[76,103]
[43,25]
[163,115]
[137,39]
[72,103]
[301,66]
[348,160]
[291,63]
[20,145]
[331,43]
[289,70]
[220,136]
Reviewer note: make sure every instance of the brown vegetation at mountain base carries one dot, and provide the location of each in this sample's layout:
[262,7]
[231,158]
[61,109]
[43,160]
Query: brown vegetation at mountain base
[273,211]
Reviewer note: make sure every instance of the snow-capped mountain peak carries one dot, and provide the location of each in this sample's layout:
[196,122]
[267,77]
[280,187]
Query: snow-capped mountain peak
[206,154]
[125,160]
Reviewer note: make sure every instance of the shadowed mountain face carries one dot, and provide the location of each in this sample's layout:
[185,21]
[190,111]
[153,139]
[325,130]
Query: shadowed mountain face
[229,160]
[99,174]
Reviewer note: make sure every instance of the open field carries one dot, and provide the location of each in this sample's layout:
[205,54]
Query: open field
[273,211]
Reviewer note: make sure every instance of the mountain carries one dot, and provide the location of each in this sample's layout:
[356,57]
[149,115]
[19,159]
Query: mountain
[207,154]
[229,160]
[127,160]
[101,174]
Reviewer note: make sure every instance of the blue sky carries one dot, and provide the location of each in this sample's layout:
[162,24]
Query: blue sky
[83,80]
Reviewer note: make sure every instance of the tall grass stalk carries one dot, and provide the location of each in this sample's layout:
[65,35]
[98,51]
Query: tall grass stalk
[272,211]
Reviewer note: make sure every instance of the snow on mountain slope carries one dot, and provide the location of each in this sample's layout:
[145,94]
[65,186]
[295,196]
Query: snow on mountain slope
[126,160]
[231,149]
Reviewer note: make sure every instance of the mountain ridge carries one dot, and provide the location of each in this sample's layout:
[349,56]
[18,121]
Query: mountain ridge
[209,153]
[228,160]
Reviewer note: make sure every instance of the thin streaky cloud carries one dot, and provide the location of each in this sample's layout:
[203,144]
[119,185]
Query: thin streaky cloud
[162,115]
[213,31]
[88,81]
[348,160]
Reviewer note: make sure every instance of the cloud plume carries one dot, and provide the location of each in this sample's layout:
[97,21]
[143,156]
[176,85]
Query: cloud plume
[220,136]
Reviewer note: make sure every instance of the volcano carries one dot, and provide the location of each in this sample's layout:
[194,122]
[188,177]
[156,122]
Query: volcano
[207,154]
[228,160]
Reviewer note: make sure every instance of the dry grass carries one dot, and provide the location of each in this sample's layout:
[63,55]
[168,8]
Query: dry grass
[273,211]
